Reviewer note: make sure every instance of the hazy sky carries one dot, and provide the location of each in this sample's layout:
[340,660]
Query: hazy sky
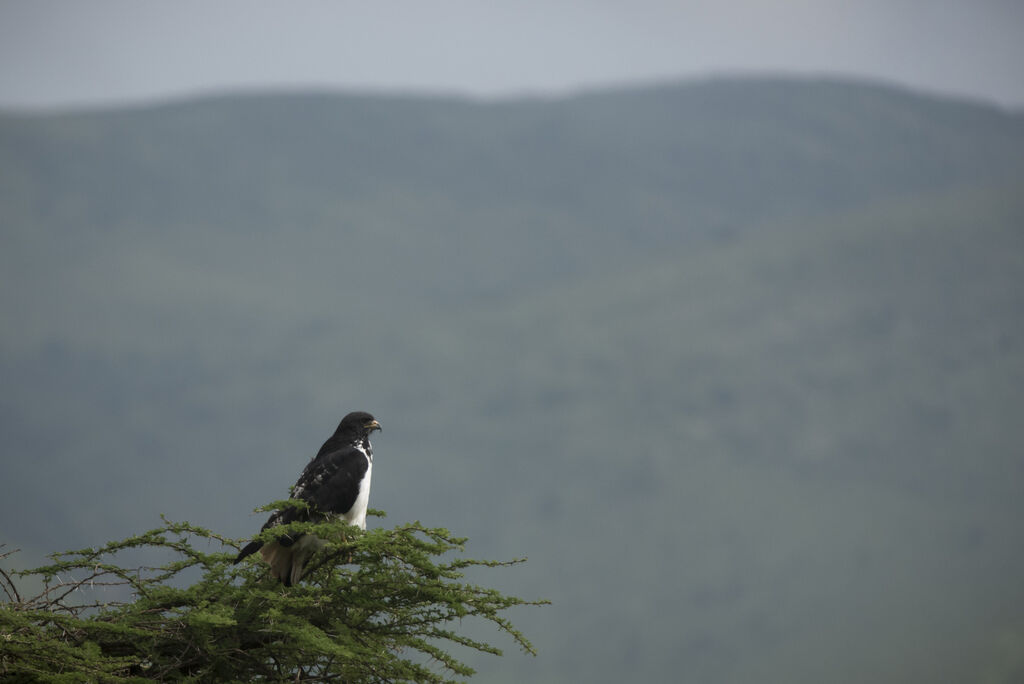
[108,51]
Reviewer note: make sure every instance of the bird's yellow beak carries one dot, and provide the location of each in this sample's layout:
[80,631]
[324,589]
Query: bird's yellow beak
[373,425]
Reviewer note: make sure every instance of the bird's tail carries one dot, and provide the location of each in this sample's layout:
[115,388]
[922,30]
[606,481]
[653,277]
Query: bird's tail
[249,549]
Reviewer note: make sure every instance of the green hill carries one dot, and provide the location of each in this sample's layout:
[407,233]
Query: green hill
[737,364]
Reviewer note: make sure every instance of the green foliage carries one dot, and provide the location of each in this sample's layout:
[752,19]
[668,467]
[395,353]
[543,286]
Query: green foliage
[375,606]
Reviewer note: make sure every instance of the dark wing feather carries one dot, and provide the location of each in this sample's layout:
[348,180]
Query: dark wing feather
[329,483]
[337,481]
[276,518]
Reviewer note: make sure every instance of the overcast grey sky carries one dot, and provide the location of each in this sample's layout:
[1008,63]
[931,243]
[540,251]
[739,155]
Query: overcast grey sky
[61,53]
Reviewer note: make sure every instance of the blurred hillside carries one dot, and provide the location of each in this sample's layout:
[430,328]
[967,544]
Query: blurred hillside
[739,365]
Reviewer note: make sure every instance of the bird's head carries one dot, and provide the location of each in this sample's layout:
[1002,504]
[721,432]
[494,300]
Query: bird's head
[359,424]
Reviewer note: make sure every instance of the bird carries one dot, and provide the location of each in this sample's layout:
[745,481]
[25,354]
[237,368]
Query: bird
[336,483]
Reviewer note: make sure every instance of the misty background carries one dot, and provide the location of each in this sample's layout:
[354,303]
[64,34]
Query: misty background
[716,315]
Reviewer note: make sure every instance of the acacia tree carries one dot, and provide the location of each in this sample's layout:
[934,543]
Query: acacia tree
[375,606]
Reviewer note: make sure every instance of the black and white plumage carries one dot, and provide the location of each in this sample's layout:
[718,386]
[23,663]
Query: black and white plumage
[335,484]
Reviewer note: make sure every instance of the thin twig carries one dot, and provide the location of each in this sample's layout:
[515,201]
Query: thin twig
[8,584]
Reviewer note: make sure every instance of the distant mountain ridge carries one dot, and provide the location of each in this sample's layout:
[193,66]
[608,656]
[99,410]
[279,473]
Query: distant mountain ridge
[752,146]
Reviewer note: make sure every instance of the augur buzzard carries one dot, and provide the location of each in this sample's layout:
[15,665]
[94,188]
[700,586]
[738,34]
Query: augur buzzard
[335,484]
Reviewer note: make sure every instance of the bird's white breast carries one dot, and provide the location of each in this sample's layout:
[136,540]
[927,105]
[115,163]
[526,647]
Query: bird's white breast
[357,514]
